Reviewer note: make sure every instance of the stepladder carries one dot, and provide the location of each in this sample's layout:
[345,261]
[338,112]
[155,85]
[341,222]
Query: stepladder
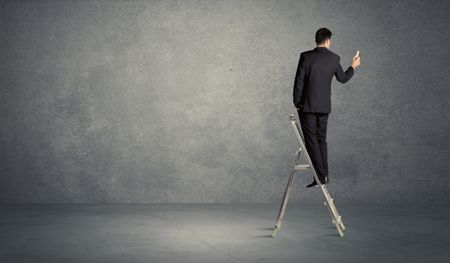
[297,166]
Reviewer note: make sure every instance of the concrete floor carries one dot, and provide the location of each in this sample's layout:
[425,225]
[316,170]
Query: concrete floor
[222,233]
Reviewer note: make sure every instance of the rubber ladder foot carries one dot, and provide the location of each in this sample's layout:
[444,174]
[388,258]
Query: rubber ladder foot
[275,230]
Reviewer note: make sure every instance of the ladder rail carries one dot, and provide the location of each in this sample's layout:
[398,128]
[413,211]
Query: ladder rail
[333,208]
[287,192]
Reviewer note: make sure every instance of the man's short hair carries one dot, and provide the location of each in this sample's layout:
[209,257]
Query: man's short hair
[322,34]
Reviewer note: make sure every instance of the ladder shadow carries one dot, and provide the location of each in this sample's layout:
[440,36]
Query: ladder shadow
[330,235]
[263,236]
[265,228]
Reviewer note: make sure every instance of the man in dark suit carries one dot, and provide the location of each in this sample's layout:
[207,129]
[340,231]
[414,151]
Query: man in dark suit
[312,97]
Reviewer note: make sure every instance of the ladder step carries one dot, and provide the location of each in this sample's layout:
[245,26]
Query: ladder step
[302,167]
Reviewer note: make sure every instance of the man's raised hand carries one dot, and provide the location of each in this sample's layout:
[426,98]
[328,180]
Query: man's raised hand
[356,60]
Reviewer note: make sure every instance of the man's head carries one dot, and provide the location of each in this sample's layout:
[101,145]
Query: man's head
[323,37]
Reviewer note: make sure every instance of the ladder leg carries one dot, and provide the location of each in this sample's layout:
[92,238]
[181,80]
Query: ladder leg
[286,201]
[335,220]
[285,196]
[332,207]
[331,202]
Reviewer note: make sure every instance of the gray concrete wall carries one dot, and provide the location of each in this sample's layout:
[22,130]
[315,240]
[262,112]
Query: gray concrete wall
[189,101]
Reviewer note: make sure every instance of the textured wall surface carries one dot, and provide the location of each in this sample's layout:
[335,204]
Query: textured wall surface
[189,101]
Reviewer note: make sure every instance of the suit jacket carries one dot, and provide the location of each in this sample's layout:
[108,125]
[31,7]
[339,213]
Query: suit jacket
[315,71]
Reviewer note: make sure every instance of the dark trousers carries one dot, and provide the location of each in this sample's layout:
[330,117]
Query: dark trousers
[314,129]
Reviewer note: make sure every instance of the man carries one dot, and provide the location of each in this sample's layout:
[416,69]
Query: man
[312,97]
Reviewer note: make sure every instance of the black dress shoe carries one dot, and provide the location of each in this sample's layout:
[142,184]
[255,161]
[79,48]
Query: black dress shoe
[322,181]
[314,183]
